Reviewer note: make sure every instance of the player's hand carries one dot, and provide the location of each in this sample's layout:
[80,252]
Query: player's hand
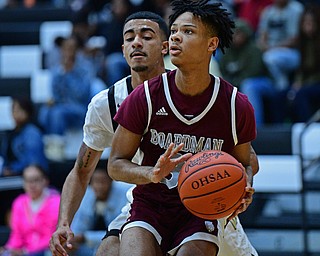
[60,239]
[167,162]
[246,201]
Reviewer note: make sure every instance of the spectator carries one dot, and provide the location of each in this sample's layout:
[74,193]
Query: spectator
[277,32]
[306,86]
[92,46]
[157,6]
[102,202]
[10,4]
[243,66]
[250,11]
[34,215]
[23,145]
[53,57]
[71,92]
[116,65]
[106,18]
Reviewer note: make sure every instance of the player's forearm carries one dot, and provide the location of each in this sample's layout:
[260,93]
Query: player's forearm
[76,183]
[249,174]
[126,171]
[254,161]
[71,197]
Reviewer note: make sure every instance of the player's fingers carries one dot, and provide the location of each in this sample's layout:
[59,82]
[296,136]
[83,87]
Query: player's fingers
[243,207]
[176,149]
[182,158]
[248,196]
[56,247]
[168,152]
[70,236]
[250,190]
[246,201]
[59,251]
[234,214]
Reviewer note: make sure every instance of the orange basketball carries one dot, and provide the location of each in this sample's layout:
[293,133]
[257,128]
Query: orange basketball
[211,184]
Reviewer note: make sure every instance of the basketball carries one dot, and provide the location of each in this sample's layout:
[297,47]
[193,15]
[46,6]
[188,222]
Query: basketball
[211,184]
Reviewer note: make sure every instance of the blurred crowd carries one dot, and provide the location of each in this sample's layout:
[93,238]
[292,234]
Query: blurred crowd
[274,60]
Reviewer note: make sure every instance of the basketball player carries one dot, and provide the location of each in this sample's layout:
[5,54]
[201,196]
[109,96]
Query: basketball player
[190,109]
[145,38]
[116,95]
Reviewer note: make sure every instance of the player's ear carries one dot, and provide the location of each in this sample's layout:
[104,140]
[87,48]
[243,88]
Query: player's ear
[165,47]
[122,47]
[213,43]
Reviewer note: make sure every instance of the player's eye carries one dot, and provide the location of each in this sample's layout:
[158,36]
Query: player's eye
[173,31]
[129,39]
[147,38]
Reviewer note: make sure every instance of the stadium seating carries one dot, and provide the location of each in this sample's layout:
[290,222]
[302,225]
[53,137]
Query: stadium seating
[19,60]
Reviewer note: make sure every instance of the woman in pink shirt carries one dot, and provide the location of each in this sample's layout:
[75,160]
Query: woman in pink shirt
[34,215]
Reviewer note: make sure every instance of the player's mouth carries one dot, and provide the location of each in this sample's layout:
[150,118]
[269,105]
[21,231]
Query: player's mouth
[137,54]
[175,50]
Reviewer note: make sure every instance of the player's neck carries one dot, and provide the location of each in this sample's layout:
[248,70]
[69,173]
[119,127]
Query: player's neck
[191,83]
[139,77]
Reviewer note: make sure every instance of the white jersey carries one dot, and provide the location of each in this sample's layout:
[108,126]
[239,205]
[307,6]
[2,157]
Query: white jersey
[99,126]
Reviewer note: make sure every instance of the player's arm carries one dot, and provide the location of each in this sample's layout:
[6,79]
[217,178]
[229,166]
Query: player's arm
[124,146]
[254,161]
[72,194]
[242,153]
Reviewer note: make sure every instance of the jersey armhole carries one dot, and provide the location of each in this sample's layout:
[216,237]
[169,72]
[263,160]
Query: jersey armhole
[148,98]
[112,107]
[233,115]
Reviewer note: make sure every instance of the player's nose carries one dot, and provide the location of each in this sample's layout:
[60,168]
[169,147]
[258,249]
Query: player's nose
[137,42]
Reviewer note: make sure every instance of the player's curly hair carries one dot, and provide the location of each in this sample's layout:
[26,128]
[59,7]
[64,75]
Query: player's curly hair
[216,19]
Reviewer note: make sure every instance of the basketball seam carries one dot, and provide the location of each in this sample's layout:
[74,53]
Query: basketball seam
[206,214]
[218,213]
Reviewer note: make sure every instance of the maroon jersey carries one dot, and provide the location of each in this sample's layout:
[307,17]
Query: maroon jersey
[218,119]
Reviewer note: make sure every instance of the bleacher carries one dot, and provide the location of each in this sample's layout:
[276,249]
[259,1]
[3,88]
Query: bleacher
[284,218]
[21,26]
[24,37]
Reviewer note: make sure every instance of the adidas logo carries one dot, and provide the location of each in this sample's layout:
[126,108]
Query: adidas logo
[161,112]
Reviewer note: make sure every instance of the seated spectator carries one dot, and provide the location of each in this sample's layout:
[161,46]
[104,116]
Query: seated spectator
[250,11]
[102,202]
[71,92]
[115,64]
[10,4]
[34,215]
[52,58]
[23,145]
[306,86]
[277,32]
[243,66]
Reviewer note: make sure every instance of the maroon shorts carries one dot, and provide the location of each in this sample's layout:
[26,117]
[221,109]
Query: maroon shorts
[173,222]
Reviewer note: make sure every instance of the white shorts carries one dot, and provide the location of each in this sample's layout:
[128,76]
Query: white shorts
[233,241]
